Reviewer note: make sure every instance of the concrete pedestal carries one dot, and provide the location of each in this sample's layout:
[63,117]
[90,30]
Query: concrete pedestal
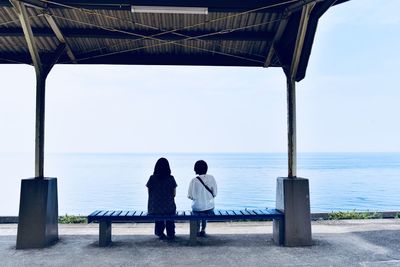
[292,198]
[38,213]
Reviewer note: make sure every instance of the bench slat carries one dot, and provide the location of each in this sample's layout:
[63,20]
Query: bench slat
[277,212]
[238,212]
[246,212]
[101,213]
[263,212]
[117,213]
[257,212]
[94,213]
[270,211]
[267,211]
[131,213]
[124,213]
[108,213]
[230,212]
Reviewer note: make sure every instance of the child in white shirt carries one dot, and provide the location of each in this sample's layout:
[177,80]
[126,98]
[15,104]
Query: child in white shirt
[202,191]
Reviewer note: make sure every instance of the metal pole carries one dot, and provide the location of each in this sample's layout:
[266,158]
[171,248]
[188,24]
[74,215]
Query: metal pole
[39,128]
[291,89]
[291,121]
[40,85]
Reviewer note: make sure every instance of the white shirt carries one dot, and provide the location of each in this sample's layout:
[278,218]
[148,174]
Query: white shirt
[202,198]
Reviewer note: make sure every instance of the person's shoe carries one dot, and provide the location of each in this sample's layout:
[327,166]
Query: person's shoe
[162,236]
[201,234]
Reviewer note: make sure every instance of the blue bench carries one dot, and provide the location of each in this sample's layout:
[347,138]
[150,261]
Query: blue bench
[105,218]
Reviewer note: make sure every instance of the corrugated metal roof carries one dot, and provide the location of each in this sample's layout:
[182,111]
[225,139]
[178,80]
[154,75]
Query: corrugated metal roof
[101,36]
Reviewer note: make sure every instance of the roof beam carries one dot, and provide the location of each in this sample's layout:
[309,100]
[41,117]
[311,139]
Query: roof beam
[282,26]
[133,35]
[26,27]
[298,6]
[60,36]
[275,40]
[144,59]
[54,58]
[212,5]
[301,33]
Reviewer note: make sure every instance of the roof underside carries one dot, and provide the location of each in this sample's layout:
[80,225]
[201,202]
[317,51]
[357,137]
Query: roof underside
[258,33]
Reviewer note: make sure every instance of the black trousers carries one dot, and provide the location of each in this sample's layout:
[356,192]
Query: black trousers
[162,225]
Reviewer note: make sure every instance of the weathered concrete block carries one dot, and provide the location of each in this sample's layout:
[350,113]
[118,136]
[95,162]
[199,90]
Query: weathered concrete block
[293,198]
[38,213]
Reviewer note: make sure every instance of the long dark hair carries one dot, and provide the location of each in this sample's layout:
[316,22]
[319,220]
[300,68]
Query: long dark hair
[162,167]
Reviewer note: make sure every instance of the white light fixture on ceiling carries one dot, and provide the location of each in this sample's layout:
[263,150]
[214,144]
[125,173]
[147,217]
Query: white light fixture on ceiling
[170,10]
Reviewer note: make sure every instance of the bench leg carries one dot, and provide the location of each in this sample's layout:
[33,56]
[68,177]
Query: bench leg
[279,231]
[193,232]
[104,234]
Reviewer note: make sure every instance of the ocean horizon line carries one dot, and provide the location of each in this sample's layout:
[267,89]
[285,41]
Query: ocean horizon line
[204,153]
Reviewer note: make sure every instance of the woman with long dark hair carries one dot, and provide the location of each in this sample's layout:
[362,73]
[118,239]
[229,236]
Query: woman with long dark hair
[162,190]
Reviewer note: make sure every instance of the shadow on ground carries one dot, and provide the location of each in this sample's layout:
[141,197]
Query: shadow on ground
[367,248]
[183,241]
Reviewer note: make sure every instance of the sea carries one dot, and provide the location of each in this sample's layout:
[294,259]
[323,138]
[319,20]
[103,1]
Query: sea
[88,182]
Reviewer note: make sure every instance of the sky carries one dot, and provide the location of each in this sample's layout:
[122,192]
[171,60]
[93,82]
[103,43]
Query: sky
[348,101]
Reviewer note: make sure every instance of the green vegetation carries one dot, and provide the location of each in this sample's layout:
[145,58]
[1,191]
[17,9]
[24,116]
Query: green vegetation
[72,219]
[397,215]
[353,215]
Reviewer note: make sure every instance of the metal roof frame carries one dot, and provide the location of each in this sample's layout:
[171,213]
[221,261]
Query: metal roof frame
[268,45]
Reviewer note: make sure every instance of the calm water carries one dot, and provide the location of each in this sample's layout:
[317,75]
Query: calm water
[117,181]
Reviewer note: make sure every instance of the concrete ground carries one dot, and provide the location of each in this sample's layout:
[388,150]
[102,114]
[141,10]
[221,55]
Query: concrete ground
[336,243]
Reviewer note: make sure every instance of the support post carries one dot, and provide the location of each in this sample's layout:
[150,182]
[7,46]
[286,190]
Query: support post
[291,126]
[39,128]
[292,193]
[40,110]
[38,209]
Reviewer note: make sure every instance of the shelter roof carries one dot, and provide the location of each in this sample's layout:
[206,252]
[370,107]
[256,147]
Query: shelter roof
[248,33]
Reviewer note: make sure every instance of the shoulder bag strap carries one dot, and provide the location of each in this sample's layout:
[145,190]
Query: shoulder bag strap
[208,189]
